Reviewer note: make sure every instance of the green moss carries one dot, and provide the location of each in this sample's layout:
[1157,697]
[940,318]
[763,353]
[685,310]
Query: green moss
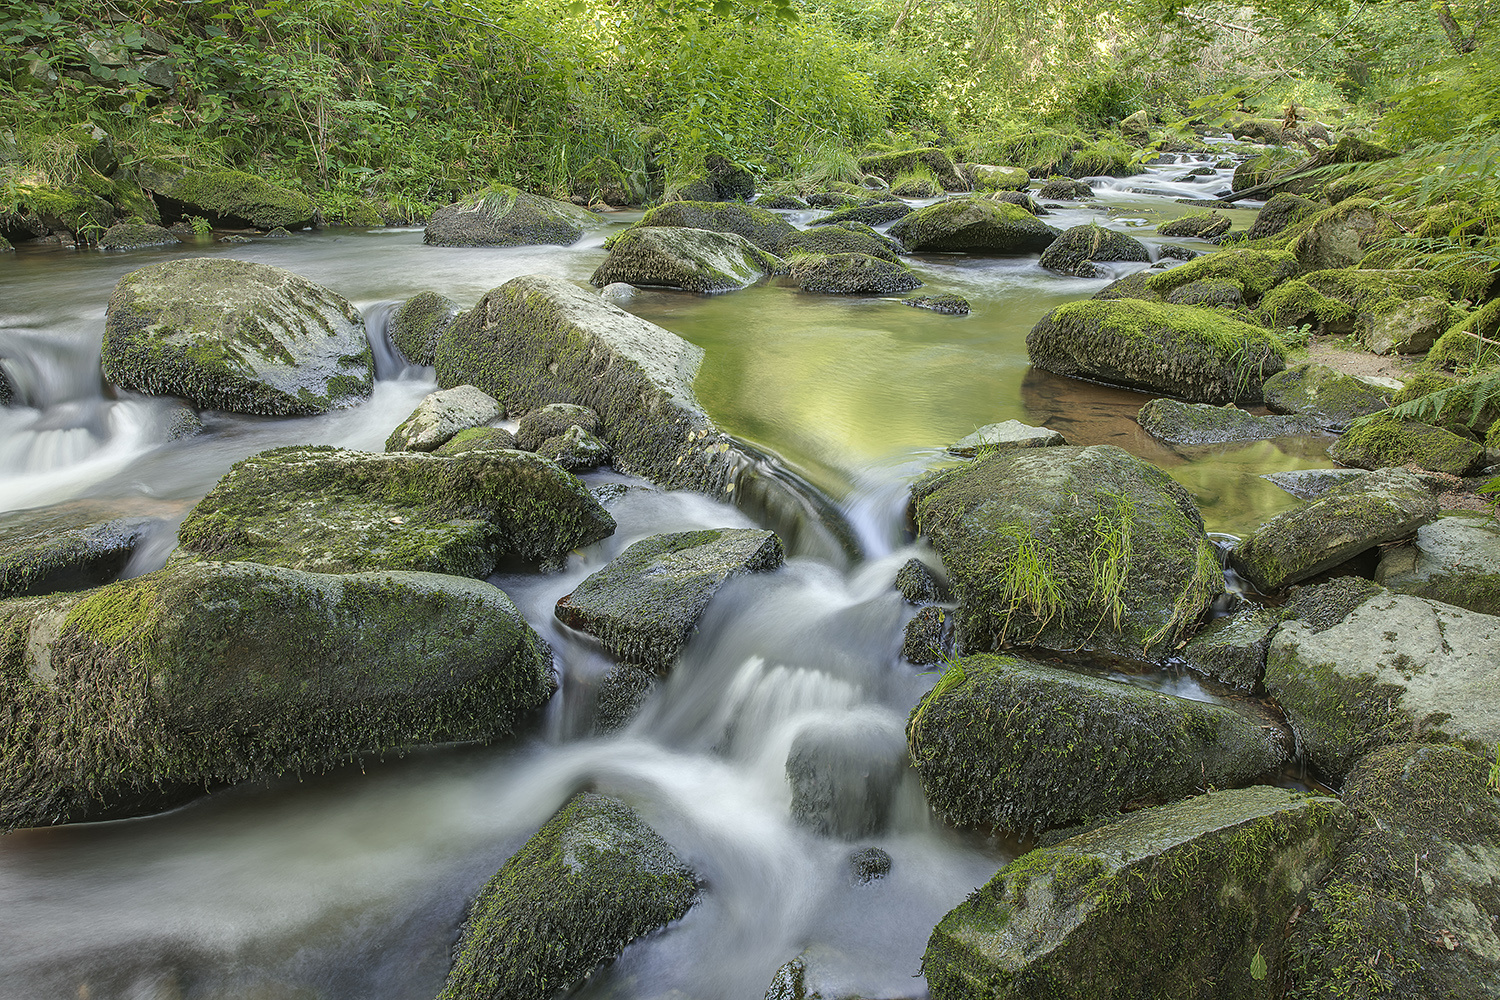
[764,228]
[478,439]
[1421,385]
[1257,271]
[416,326]
[234,196]
[504,216]
[1296,303]
[1460,349]
[973,225]
[850,273]
[1381,440]
[938,168]
[875,214]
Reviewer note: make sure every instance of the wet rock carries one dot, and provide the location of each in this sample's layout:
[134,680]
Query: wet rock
[1393,668]
[1075,250]
[887,165]
[502,216]
[992,178]
[782,202]
[335,511]
[973,225]
[1326,394]
[1005,435]
[844,775]
[763,228]
[551,420]
[644,605]
[790,983]
[1279,212]
[1064,189]
[849,274]
[441,415]
[1341,236]
[1203,226]
[575,449]
[917,584]
[1201,355]
[1382,441]
[478,439]
[695,260]
[420,321]
[868,864]
[1024,747]
[730,180]
[1021,199]
[928,637]
[227,198]
[1454,559]
[1307,484]
[145,693]
[874,214]
[1256,272]
[622,692]
[230,335]
[1175,422]
[1220,876]
[63,548]
[588,883]
[947,305]
[1069,548]
[235,238]
[1340,524]
[851,237]
[135,236]
[1232,649]
[1218,293]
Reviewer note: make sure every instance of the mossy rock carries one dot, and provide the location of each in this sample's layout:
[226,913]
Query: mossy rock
[916,187]
[548,421]
[695,260]
[1175,422]
[231,335]
[850,274]
[575,450]
[1340,524]
[1137,286]
[1256,271]
[1341,236]
[1469,408]
[65,548]
[587,884]
[1453,559]
[1197,354]
[1461,348]
[1019,198]
[228,198]
[828,239]
[1264,167]
[1295,303]
[973,225]
[1215,293]
[478,439]
[1232,649]
[419,322]
[1216,878]
[764,228]
[441,415]
[943,305]
[782,202]
[917,584]
[1069,548]
[1064,189]
[145,693]
[334,511]
[1383,440]
[645,604]
[1279,212]
[996,178]
[1005,743]
[888,165]
[502,216]
[136,236]
[1326,394]
[1401,311]
[1203,226]
[1003,436]
[875,214]
[1074,252]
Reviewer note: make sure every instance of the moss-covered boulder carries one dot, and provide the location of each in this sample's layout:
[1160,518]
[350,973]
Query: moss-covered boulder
[1255,271]
[575,449]
[764,228]
[850,274]
[973,225]
[1175,422]
[782,202]
[1075,251]
[440,415]
[1392,668]
[852,237]
[1468,407]
[1198,354]
[994,178]
[696,260]
[1454,559]
[1069,548]
[1264,167]
[887,166]
[478,439]
[844,774]
[1401,311]
[136,236]
[231,335]
[1343,522]
[1409,908]
[144,693]
[588,883]
[502,216]
[1341,236]
[1064,189]
[1182,902]
[1200,226]
[644,605]
[1384,440]
[1003,436]
[943,305]
[876,213]
[1326,394]
[334,511]
[1022,747]
[549,421]
[1280,212]
[917,584]
[65,548]
[417,324]
[1232,649]
[227,198]
[1461,346]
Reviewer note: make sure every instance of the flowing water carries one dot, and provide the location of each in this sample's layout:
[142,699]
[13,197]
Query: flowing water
[352,884]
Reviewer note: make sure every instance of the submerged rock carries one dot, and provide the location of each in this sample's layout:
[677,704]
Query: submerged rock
[53,549]
[1003,436]
[502,216]
[335,511]
[136,236]
[974,225]
[868,864]
[1454,559]
[850,274]
[1382,441]
[1075,250]
[695,260]
[1325,393]
[417,325]
[441,415]
[763,228]
[588,883]
[230,335]
[147,692]
[645,604]
[1175,422]
[1218,876]
[947,305]
[844,775]
[1308,484]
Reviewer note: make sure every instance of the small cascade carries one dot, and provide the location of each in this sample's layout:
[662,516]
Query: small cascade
[389,362]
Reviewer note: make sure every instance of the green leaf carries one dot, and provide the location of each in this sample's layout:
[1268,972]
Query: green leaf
[1257,967]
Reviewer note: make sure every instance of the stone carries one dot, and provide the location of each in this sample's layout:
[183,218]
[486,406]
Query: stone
[1341,236]
[1075,251]
[917,584]
[1202,226]
[229,199]
[329,510]
[1394,668]
[873,214]
[645,604]
[1332,529]
[552,420]
[1069,548]
[868,864]
[575,450]
[1232,649]
[1218,293]
[695,260]
[851,237]
[592,880]
[1278,213]
[1308,484]
[993,178]
[231,335]
[1174,422]
[850,274]
[973,225]
[502,216]
[763,228]
[1218,876]
[65,548]
[478,439]
[136,236]
[782,202]
[945,305]
[1023,747]
[1326,394]
[1005,435]
[1064,189]
[622,692]
[418,324]
[844,773]
[1382,441]
[888,165]
[146,693]
[1454,559]
[1256,272]
[441,415]
[1411,327]
[928,637]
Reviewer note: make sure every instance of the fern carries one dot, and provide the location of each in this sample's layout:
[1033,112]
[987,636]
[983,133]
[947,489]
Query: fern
[1435,405]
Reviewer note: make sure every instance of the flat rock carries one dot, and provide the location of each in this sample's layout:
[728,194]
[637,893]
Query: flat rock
[136,236]
[502,216]
[478,439]
[1202,226]
[871,214]
[973,225]
[850,237]
[228,198]
[1326,394]
[946,305]
[441,415]
[1308,484]
[1175,422]
[1004,435]
[695,260]
[1454,559]
[65,548]
[763,228]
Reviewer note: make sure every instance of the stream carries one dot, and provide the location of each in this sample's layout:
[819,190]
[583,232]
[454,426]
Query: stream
[352,884]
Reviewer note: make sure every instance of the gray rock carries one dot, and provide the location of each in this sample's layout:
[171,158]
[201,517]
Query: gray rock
[1175,422]
[1394,668]
[928,637]
[988,743]
[588,883]
[1308,484]
[1455,559]
[695,260]
[1075,250]
[1341,236]
[1410,327]
[947,305]
[145,693]
[575,449]
[1232,649]
[851,237]
[763,228]
[1279,212]
[917,584]
[227,198]
[844,775]
[441,415]
[1220,876]
[1064,189]
[65,548]
[1203,226]
[782,202]
[1217,293]
[136,236]
[622,692]
[868,864]
[973,225]
[1325,393]
[229,335]
[418,324]
[992,178]
[502,216]
[552,420]
[1384,441]
[478,439]
[850,274]
[870,214]
[645,604]
[1005,435]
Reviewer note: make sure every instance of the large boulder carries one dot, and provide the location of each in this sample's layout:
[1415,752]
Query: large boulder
[1454,559]
[441,415]
[1326,394]
[973,225]
[591,881]
[696,260]
[852,237]
[1068,548]
[334,511]
[887,166]
[1341,236]
[419,322]
[228,198]
[144,693]
[1279,212]
[1075,251]
[1255,272]
[1384,440]
[1183,902]
[502,216]
[1006,743]
[1201,226]
[760,226]
[876,213]
[1401,311]
[644,605]
[231,335]
[850,274]
[1343,522]
[63,548]
[1392,668]
[993,178]
[1175,422]
[1197,354]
